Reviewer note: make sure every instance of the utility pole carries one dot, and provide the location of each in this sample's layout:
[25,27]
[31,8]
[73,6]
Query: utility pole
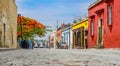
[57,24]
[55,35]
[20,23]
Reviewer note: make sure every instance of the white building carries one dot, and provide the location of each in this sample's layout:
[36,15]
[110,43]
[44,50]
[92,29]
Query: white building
[67,36]
[53,39]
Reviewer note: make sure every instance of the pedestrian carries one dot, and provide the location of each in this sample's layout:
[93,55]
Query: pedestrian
[23,43]
[30,43]
[33,43]
[58,45]
[27,44]
[19,42]
[86,45]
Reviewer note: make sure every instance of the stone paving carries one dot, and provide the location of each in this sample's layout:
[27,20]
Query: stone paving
[60,57]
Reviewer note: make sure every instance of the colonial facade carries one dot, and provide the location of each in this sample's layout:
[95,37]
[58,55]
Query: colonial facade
[67,36]
[58,36]
[80,34]
[53,40]
[8,24]
[104,24]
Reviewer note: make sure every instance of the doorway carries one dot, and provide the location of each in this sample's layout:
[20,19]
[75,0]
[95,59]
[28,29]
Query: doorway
[82,37]
[4,26]
[100,32]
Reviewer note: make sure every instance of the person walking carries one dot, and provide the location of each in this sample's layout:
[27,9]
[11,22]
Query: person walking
[33,43]
[24,44]
[19,40]
[30,43]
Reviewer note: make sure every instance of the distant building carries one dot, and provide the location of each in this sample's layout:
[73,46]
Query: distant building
[104,24]
[80,34]
[58,36]
[67,36]
[53,39]
[8,24]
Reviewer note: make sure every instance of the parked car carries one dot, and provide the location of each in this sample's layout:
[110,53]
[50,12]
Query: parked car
[35,45]
[42,45]
[63,45]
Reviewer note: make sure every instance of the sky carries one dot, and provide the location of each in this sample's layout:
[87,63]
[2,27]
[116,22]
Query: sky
[48,12]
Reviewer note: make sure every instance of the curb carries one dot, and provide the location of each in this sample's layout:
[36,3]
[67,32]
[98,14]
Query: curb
[7,49]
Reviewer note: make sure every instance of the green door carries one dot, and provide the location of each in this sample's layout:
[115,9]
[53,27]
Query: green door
[100,32]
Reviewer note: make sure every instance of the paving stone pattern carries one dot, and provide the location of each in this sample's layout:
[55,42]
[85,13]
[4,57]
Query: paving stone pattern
[60,57]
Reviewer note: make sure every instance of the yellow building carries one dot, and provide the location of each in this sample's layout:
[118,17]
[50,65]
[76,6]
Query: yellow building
[80,34]
[8,24]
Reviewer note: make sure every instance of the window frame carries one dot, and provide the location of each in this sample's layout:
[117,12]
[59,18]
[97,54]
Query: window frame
[109,16]
[92,27]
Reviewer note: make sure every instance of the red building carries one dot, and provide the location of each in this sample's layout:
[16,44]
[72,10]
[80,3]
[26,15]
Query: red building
[104,24]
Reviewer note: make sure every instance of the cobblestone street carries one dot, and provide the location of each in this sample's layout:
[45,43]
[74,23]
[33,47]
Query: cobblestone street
[60,57]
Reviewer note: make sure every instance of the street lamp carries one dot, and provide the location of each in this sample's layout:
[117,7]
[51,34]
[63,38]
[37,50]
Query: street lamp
[20,23]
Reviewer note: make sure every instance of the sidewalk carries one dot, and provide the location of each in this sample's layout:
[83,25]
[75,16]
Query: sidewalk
[7,49]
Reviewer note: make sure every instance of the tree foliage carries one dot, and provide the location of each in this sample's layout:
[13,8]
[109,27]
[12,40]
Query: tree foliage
[28,27]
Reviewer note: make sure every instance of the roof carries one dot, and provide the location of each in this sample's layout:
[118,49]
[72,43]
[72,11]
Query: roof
[79,22]
[67,28]
[95,3]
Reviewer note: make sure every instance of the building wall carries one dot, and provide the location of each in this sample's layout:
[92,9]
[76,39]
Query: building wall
[53,40]
[111,33]
[13,22]
[91,12]
[8,24]
[59,35]
[67,36]
[80,24]
[114,41]
[78,31]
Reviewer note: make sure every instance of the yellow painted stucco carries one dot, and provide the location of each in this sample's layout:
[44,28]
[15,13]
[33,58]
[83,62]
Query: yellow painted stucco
[83,23]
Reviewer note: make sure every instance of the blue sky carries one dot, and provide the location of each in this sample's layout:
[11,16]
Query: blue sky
[49,11]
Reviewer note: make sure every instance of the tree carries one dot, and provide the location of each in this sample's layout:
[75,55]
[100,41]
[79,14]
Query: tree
[79,18]
[74,21]
[28,28]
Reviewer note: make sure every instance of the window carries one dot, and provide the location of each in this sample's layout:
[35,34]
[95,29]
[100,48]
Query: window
[100,23]
[109,15]
[86,41]
[86,32]
[92,27]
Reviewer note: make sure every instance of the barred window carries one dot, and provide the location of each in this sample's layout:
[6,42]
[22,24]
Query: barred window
[92,27]
[109,15]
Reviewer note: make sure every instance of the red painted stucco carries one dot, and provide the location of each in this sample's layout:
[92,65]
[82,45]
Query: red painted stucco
[111,34]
